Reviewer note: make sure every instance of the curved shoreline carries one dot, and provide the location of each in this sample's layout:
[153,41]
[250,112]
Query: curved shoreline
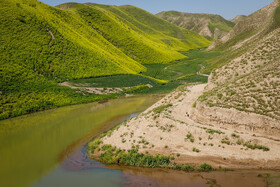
[168,129]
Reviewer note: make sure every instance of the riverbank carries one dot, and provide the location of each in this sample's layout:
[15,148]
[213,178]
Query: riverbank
[167,129]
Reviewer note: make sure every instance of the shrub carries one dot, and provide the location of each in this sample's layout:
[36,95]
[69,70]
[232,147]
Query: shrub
[234,135]
[256,146]
[194,105]
[195,150]
[225,141]
[205,168]
[190,137]
[212,131]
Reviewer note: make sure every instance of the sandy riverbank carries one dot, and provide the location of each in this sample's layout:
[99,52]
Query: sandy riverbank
[167,128]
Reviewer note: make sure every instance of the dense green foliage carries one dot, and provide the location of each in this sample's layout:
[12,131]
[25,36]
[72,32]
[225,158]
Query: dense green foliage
[43,45]
[120,81]
[162,78]
[185,69]
[113,81]
[126,28]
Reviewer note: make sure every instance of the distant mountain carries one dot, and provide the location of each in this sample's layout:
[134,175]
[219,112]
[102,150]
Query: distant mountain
[208,25]
[43,45]
[250,28]
[238,18]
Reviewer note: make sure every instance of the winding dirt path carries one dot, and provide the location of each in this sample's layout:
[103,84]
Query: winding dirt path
[199,72]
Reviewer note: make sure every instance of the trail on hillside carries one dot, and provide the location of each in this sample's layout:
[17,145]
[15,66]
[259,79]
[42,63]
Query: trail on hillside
[199,72]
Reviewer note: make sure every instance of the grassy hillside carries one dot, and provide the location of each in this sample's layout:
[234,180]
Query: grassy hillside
[43,45]
[208,25]
[159,78]
[248,77]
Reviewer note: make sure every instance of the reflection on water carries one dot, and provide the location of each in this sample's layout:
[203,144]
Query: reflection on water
[163,177]
[78,170]
[35,144]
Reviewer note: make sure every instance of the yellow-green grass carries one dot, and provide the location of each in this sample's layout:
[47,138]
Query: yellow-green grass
[43,45]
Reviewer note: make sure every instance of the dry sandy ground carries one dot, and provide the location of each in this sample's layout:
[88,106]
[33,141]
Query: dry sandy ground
[166,131]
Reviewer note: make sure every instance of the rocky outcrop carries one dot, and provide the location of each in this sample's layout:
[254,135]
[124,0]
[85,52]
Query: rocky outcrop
[238,120]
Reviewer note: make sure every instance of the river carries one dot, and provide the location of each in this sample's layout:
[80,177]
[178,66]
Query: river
[48,149]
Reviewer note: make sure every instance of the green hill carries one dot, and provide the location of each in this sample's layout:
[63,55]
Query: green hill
[208,25]
[43,45]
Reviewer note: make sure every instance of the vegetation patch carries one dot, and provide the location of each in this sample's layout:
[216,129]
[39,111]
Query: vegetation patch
[256,146]
[226,141]
[190,137]
[205,168]
[161,108]
[195,150]
[108,154]
[234,135]
[213,131]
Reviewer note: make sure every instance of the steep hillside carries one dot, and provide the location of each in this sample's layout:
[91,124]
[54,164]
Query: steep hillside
[134,41]
[248,83]
[249,29]
[43,45]
[208,25]
[153,27]
[238,18]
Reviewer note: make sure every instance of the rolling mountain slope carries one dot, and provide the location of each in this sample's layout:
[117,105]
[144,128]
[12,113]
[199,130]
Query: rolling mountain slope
[208,25]
[43,45]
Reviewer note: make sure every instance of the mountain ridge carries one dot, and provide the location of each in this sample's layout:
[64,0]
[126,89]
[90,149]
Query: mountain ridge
[208,25]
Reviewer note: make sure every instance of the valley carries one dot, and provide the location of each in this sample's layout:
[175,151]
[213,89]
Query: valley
[116,96]
[159,78]
[50,45]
